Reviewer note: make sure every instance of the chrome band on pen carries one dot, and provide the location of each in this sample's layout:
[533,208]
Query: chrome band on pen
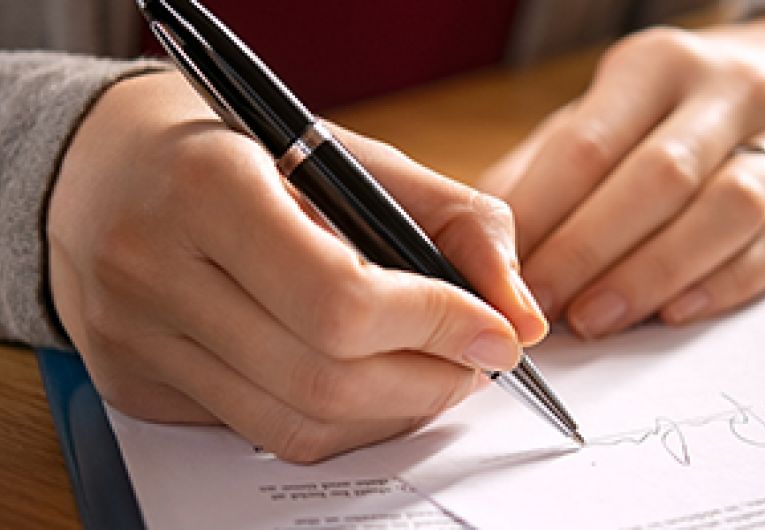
[314,135]
[251,99]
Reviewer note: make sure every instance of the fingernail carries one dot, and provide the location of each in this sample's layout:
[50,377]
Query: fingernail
[598,314]
[688,306]
[544,297]
[491,351]
[523,294]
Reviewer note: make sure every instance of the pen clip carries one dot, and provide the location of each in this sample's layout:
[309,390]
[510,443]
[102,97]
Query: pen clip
[174,46]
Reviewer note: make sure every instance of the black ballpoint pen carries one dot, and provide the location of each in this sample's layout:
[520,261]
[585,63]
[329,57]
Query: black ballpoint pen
[252,100]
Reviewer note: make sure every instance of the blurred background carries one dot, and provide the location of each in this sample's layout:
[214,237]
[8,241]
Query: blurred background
[341,51]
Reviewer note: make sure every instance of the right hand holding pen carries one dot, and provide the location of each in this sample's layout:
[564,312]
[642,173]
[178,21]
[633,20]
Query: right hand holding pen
[200,288]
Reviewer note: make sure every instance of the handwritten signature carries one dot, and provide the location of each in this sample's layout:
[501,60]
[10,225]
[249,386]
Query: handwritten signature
[744,424]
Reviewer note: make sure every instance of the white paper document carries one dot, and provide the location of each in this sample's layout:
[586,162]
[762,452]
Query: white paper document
[188,478]
[674,420]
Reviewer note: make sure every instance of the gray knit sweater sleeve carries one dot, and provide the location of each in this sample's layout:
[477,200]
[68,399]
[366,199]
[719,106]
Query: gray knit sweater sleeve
[43,97]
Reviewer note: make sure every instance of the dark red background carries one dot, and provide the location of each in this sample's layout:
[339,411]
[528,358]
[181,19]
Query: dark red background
[336,51]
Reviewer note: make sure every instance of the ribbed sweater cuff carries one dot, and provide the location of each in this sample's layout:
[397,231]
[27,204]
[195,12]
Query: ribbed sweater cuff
[43,98]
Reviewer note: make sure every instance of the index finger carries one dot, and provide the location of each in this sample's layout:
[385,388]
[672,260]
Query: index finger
[317,286]
[622,106]
[475,231]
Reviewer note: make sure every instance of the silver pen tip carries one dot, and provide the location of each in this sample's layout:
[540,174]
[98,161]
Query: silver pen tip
[578,438]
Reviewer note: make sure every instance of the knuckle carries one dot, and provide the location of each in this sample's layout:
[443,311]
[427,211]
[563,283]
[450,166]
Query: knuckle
[662,51]
[583,258]
[185,165]
[587,147]
[490,208]
[187,185]
[441,325]
[102,323]
[344,318]
[744,195]
[122,261]
[667,43]
[448,397]
[750,76]
[329,392]
[669,39]
[481,215]
[741,280]
[128,396]
[672,171]
[122,399]
[113,252]
[194,155]
[306,442]
[745,275]
[665,271]
[495,221]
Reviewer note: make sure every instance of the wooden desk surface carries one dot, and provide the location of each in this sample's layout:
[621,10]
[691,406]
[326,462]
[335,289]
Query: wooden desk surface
[463,125]
[34,487]
[458,126]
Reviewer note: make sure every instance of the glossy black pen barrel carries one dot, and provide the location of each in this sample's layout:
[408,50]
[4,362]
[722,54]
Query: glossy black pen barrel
[340,187]
[267,108]
[366,215]
[250,98]
[370,219]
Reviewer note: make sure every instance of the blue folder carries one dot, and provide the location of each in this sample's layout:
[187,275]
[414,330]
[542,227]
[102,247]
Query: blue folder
[102,488]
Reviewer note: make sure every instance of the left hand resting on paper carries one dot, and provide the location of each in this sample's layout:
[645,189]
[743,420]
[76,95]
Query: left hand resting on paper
[635,199]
